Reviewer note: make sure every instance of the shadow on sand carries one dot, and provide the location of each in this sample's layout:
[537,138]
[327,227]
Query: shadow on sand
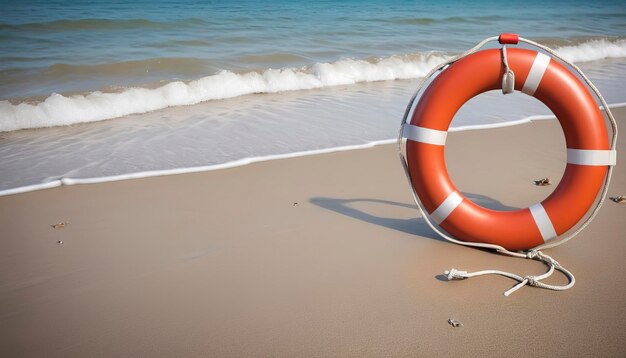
[415,226]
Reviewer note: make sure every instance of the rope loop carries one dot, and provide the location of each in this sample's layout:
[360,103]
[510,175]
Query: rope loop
[530,280]
[508,79]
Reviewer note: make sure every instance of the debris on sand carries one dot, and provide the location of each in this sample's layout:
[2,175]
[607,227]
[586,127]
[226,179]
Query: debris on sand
[619,199]
[60,225]
[543,182]
[455,323]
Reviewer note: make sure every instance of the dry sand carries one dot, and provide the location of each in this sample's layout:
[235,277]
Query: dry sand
[314,256]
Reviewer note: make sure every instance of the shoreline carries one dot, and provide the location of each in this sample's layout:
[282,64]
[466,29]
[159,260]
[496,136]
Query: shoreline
[250,160]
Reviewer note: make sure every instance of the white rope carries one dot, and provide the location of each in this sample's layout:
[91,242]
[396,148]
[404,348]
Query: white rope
[535,281]
[534,253]
[508,80]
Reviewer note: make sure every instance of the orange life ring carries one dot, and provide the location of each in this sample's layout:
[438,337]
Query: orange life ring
[538,75]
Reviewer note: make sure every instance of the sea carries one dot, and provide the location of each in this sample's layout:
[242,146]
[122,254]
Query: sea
[95,91]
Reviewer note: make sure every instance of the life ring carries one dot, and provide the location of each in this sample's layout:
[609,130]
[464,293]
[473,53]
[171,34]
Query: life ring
[536,74]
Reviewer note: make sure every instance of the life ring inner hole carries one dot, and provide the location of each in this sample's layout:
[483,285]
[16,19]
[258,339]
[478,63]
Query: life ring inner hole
[492,176]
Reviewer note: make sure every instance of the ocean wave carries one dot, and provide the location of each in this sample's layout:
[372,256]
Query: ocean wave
[100,24]
[593,50]
[61,110]
[96,106]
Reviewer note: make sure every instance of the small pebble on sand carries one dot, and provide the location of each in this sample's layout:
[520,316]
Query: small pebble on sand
[455,323]
[59,225]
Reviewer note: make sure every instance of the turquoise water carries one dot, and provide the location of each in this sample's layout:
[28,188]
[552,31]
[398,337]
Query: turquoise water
[152,85]
[74,46]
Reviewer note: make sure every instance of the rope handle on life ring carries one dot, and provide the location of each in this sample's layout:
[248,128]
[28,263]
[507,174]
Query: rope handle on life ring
[508,80]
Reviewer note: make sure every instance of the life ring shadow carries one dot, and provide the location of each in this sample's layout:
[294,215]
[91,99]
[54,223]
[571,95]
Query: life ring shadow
[414,226]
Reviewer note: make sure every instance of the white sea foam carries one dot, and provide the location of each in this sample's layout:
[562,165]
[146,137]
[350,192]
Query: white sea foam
[593,50]
[61,110]
[96,106]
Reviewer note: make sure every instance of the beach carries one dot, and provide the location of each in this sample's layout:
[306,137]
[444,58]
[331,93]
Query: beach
[321,255]
[221,179]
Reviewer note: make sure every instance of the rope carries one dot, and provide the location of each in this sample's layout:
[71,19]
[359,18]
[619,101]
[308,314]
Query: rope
[535,281]
[533,253]
[508,80]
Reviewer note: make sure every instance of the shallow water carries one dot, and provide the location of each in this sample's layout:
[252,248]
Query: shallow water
[218,132]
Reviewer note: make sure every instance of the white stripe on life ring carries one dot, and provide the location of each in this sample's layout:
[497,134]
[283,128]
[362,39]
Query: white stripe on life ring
[543,222]
[424,135]
[540,64]
[591,157]
[446,208]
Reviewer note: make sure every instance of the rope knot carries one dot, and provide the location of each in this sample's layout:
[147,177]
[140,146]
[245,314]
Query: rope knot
[531,254]
[532,280]
[454,274]
[527,280]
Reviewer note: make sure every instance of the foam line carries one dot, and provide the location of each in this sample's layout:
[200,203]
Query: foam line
[246,161]
[155,173]
[593,50]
